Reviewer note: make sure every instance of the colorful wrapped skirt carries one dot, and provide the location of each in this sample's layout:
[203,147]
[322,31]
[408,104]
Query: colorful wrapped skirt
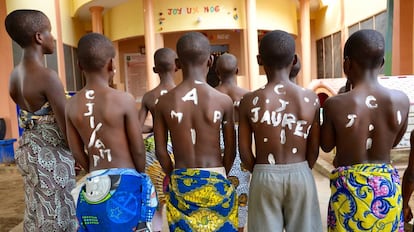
[116,200]
[201,200]
[365,197]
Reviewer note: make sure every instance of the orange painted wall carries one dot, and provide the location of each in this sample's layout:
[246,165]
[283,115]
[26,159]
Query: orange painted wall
[8,108]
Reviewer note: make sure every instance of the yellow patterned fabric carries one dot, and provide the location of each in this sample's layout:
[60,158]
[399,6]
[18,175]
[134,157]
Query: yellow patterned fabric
[201,200]
[365,197]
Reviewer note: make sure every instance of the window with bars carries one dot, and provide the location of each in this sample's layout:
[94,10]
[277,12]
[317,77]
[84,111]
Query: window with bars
[329,49]
[329,56]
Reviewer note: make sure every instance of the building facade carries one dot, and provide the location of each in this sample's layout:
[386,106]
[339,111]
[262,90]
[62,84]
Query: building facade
[139,27]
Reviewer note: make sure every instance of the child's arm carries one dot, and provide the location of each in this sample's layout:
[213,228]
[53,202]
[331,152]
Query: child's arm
[75,142]
[408,182]
[229,136]
[134,134]
[56,97]
[245,137]
[161,137]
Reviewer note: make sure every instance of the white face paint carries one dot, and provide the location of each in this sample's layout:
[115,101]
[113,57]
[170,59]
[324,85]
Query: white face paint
[267,101]
[178,115]
[266,118]
[399,117]
[288,120]
[276,118]
[321,116]
[370,101]
[282,136]
[277,89]
[99,144]
[89,94]
[92,121]
[156,101]
[90,109]
[306,99]
[191,96]
[351,118]
[93,135]
[236,103]
[216,116]
[299,128]
[283,107]
[162,92]
[371,127]
[255,100]
[95,160]
[265,140]
[107,153]
[255,112]
[294,150]
[271,159]
[305,135]
[198,82]
[193,135]
[369,144]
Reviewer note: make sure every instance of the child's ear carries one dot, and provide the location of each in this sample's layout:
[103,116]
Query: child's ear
[295,59]
[177,63]
[111,66]
[210,61]
[237,71]
[38,38]
[383,61]
[259,60]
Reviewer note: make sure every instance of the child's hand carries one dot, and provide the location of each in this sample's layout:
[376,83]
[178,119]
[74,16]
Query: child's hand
[165,184]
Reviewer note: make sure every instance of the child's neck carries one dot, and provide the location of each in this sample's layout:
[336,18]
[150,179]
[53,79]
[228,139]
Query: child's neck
[33,54]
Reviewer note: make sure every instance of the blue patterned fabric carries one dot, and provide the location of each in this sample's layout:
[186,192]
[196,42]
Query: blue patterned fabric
[130,202]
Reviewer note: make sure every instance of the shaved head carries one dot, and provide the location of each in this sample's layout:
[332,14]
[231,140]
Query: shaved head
[277,49]
[226,65]
[22,25]
[94,51]
[366,47]
[193,48]
[164,60]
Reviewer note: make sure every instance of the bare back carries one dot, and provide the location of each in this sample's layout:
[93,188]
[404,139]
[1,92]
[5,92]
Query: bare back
[280,116]
[32,85]
[364,124]
[193,113]
[106,122]
[235,93]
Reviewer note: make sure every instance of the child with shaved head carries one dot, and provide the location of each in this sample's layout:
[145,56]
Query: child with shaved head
[364,124]
[164,60]
[227,69]
[200,198]
[283,118]
[42,155]
[104,135]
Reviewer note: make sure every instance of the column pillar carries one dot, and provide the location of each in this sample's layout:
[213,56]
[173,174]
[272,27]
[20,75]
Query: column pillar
[151,41]
[251,43]
[402,54]
[59,46]
[305,39]
[8,109]
[96,14]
